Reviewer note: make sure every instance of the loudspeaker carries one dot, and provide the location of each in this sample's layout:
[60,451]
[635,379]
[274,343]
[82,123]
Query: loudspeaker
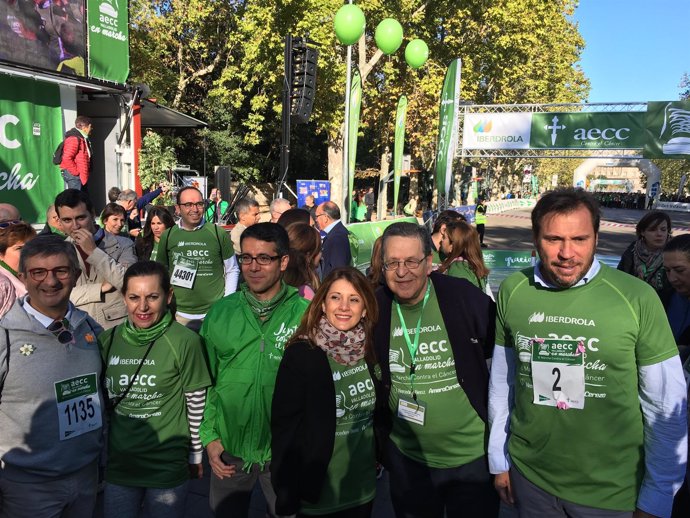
[223,178]
[303,81]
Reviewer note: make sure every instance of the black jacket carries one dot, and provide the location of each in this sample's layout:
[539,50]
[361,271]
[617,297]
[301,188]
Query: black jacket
[335,250]
[302,426]
[469,316]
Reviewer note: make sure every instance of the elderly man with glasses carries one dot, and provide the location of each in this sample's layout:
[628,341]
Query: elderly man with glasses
[198,254]
[432,338]
[245,335]
[51,412]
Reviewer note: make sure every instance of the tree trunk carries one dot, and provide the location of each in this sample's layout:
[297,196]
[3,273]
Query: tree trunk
[335,169]
[382,206]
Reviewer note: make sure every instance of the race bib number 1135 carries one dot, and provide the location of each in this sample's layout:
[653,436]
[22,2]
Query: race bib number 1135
[78,406]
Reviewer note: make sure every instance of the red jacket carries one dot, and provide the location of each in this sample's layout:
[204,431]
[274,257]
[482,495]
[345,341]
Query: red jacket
[76,157]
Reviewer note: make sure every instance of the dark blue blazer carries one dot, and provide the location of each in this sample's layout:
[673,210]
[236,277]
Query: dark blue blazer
[335,250]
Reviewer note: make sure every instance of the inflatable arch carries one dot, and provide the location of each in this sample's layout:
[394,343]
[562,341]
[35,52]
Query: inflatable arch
[643,164]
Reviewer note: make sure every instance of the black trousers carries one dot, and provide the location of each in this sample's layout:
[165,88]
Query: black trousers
[419,491]
[480,231]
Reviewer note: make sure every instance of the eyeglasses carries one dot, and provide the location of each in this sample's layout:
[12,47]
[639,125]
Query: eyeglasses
[60,329]
[317,216]
[261,259]
[61,272]
[410,264]
[189,205]
[7,224]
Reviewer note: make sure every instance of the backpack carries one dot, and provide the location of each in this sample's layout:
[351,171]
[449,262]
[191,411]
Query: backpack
[57,155]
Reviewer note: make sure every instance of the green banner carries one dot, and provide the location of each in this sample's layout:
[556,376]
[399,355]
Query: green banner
[517,259]
[362,237]
[601,130]
[668,130]
[108,40]
[30,130]
[400,117]
[355,105]
[447,128]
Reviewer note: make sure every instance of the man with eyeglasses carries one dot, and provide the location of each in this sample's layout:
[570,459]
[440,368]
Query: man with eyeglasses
[335,251]
[245,335]
[103,259]
[432,339]
[200,259]
[51,415]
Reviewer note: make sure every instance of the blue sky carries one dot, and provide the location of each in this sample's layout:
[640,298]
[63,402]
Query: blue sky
[636,50]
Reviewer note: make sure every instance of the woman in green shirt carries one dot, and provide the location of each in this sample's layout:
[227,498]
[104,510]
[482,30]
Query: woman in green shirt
[323,460]
[464,257]
[156,377]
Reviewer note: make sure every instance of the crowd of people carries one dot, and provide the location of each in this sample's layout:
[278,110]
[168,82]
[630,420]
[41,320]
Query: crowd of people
[130,349]
[621,200]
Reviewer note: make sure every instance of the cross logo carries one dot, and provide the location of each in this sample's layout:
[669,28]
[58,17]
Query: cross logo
[554,129]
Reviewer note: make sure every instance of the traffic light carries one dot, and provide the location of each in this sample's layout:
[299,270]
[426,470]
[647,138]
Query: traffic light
[303,80]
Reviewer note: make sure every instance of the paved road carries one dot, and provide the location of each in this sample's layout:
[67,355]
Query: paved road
[509,231]
[512,230]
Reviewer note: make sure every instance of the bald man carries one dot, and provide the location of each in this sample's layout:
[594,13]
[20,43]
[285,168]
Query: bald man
[335,251]
[8,212]
[277,207]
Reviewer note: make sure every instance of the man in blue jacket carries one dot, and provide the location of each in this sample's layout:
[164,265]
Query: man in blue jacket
[336,243]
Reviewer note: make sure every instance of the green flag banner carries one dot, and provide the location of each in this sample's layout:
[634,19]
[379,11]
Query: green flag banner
[362,237]
[668,130]
[30,130]
[601,130]
[447,128]
[355,105]
[108,40]
[400,117]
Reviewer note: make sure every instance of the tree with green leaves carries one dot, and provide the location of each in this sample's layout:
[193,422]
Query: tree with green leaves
[223,61]
[156,161]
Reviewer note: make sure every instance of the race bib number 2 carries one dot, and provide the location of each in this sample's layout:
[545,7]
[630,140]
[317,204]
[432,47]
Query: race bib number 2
[78,406]
[558,373]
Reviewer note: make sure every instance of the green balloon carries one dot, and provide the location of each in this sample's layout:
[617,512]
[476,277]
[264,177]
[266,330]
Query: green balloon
[389,36]
[416,53]
[349,24]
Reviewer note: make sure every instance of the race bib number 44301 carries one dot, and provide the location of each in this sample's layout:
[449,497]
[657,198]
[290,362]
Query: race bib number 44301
[558,373]
[183,276]
[78,406]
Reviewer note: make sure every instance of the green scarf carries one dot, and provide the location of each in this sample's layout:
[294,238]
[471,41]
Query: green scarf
[57,231]
[264,308]
[8,268]
[141,337]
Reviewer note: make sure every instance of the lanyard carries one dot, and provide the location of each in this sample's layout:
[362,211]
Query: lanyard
[413,346]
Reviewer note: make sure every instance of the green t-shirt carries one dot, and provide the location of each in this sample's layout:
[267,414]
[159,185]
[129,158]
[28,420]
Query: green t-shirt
[203,250]
[148,440]
[351,475]
[593,456]
[154,252]
[462,270]
[453,434]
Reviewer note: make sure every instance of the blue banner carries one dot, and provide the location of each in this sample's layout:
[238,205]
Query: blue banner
[319,189]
